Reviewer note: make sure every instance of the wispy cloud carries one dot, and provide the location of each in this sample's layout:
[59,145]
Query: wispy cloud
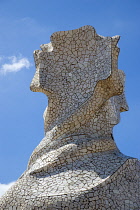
[5,187]
[13,64]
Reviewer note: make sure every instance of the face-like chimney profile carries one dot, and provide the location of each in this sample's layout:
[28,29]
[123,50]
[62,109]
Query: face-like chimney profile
[78,165]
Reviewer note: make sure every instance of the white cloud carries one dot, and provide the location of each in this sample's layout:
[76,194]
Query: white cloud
[14,64]
[5,187]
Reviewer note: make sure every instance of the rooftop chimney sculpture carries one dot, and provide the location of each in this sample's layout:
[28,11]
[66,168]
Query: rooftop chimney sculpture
[77,165]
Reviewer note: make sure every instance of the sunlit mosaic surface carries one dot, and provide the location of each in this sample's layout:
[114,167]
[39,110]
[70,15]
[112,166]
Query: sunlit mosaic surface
[77,165]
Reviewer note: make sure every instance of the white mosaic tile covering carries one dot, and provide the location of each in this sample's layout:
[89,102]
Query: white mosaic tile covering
[77,165]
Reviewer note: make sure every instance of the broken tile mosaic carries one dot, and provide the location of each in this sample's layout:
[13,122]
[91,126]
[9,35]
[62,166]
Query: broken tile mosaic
[78,165]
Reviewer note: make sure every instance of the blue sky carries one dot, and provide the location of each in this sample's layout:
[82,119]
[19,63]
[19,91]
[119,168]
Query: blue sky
[25,25]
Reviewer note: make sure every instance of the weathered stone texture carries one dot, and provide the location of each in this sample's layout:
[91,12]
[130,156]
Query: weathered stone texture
[77,165]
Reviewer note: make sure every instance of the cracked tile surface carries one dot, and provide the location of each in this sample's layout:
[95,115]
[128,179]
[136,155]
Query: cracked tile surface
[77,165]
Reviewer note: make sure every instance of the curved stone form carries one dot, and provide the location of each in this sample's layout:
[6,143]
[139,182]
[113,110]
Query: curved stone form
[77,165]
